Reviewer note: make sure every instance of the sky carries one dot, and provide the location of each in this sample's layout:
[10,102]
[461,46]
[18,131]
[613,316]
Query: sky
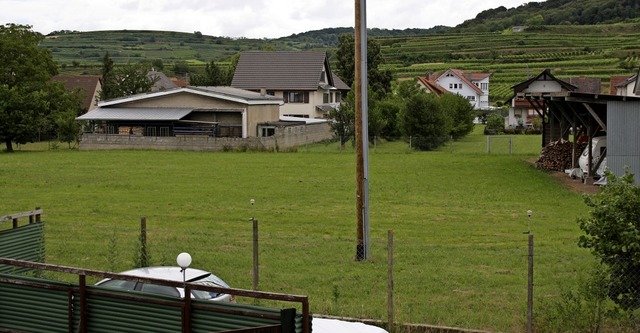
[238,18]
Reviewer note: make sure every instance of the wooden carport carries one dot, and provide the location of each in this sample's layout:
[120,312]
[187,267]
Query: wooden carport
[572,113]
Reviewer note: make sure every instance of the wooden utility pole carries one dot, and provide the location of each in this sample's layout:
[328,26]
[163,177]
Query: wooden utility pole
[361,124]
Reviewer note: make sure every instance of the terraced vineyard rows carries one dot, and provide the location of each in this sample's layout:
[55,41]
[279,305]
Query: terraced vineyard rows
[513,57]
[594,51]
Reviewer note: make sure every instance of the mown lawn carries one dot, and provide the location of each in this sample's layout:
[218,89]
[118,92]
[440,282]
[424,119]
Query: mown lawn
[457,215]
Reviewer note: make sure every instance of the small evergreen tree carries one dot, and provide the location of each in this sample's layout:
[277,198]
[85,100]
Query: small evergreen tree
[460,112]
[425,122]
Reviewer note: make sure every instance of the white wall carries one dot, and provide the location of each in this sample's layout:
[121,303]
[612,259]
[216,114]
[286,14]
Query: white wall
[544,86]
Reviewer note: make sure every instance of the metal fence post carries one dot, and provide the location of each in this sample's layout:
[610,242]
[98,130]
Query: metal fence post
[143,242]
[255,254]
[530,288]
[390,308]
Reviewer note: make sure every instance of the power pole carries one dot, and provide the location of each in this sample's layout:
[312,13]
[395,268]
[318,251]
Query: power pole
[362,135]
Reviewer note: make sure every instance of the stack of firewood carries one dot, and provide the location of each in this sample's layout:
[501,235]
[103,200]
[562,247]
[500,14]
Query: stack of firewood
[556,156]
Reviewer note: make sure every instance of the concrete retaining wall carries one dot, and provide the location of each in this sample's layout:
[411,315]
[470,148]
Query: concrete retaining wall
[286,137]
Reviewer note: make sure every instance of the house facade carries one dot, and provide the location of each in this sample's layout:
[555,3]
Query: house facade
[628,86]
[197,118]
[522,113]
[472,86]
[303,80]
[215,111]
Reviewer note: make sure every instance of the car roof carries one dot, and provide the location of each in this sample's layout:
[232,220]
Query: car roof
[172,273]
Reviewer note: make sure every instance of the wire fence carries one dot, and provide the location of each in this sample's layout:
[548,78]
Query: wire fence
[511,286]
[495,145]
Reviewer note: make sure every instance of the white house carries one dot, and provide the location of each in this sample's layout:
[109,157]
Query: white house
[304,81]
[473,86]
[521,112]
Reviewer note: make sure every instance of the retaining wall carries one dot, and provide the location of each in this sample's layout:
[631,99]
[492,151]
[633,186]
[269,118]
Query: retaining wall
[286,137]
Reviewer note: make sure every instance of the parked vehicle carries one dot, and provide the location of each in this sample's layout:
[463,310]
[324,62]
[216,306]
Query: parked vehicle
[598,151]
[171,273]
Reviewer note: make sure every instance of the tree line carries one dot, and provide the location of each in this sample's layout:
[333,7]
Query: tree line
[553,12]
[398,109]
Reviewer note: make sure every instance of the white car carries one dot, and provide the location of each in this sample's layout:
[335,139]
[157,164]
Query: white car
[171,273]
[326,325]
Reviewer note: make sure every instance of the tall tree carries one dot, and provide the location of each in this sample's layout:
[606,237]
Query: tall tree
[125,80]
[344,119]
[25,70]
[214,75]
[108,86]
[379,80]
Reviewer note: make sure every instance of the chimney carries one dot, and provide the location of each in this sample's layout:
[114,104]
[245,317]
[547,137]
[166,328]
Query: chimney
[263,91]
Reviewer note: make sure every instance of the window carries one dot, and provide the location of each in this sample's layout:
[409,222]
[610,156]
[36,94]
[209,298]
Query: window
[119,284]
[267,131]
[338,97]
[471,98]
[484,86]
[164,131]
[151,131]
[450,85]
[296,97]
[325,98]
[160,290]
[323,77]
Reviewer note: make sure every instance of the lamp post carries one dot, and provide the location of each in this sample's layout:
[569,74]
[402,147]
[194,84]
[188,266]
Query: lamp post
[184,260]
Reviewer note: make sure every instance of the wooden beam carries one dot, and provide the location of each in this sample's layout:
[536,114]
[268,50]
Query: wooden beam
[595,116]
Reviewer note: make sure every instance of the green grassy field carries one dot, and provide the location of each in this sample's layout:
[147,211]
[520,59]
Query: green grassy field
[457,215]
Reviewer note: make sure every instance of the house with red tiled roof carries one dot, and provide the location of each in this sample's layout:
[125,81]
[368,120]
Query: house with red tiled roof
[431,86]
[89,87]
[625,86]
[303,79]
[473,86]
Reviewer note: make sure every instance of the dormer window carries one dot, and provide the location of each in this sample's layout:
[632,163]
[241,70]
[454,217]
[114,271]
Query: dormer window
[323,76]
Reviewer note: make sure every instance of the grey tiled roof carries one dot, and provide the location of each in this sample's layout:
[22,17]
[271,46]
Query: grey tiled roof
[170,114]
[280,70]
[162,82]
[338,83]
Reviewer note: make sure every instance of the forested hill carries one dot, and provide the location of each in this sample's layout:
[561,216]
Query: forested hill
[329,37]
[553,12]
[532,14]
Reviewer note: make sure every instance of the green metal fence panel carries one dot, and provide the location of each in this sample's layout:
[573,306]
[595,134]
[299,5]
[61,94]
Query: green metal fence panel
[22,243]
[29,307]
[207,316]
[37,305]
[140,313]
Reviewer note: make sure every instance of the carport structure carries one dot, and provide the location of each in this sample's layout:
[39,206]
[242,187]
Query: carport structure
[578,114]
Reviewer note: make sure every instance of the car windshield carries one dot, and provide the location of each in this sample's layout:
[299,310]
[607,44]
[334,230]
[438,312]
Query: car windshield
[210,280]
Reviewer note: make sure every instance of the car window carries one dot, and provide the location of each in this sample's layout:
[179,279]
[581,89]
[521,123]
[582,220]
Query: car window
[210,280]
[161,290]
[119,284]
